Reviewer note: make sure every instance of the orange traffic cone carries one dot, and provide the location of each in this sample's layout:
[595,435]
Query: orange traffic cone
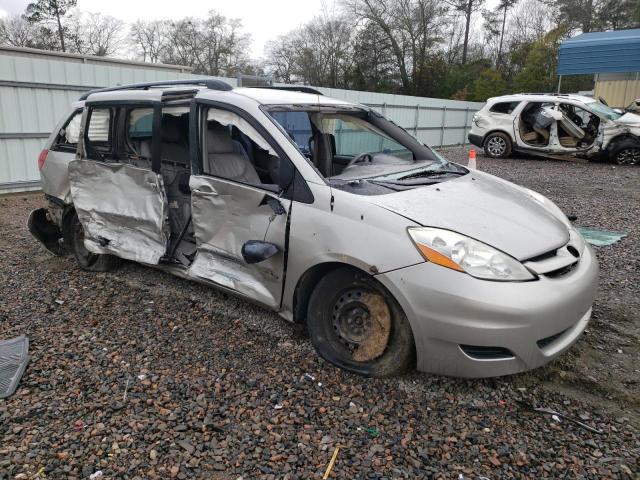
[472,159]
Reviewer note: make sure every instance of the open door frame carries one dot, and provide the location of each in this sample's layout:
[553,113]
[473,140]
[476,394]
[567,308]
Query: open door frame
[123,208]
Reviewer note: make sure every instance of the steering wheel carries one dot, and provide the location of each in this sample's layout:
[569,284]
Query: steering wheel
[365,157]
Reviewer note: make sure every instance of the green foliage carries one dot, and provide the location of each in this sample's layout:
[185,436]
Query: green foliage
[489,84]
[538,73]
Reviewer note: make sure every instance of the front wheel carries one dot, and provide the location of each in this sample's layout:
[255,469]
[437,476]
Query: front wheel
[74,240]
[497,145]
[357,325]
[626,152]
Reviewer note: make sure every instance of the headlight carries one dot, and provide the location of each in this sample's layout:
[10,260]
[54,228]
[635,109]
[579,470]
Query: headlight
[464,254]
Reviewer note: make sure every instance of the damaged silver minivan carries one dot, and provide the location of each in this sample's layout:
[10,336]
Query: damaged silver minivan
[323,211]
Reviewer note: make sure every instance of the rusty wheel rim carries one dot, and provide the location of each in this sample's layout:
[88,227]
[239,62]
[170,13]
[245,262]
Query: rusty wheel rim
[362,322]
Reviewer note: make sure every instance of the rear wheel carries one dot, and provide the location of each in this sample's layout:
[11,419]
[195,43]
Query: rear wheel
[74,238]
[357,325]
[497,145]
[627,152]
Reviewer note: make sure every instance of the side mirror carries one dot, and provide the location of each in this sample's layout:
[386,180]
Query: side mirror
[256,251]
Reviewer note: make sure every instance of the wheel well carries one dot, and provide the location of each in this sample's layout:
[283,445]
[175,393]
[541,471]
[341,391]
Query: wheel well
[66,227]
[307,282]
[621,138]
[497,131]
[310,279]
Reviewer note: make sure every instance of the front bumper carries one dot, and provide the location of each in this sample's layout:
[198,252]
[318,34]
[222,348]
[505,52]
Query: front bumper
[475,139]
[535,321]
[46,231]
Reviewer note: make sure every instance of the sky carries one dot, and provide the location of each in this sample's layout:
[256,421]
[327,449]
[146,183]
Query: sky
[264,19]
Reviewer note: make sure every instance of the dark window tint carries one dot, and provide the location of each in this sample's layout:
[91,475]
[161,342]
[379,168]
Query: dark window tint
[504,107]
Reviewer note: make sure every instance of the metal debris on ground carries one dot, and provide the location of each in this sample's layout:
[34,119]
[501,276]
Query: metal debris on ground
[14,356]
[557,416]
[600,238]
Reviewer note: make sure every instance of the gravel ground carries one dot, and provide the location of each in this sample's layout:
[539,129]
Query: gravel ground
[139,374]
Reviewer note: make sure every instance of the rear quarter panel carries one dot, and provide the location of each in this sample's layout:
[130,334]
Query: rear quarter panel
[54,174]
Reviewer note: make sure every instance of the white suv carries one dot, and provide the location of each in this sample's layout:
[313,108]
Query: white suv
[556,124]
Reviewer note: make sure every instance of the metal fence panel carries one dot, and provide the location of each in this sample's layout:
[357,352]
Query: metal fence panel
[37,88]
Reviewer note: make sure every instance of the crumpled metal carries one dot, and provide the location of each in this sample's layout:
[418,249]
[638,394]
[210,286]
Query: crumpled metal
[122,208]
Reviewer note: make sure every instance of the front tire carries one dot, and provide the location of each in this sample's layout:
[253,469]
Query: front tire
[497,145]
[627,152]
[357,325]
[74,240]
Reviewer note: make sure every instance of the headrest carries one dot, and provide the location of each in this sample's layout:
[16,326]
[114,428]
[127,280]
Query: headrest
[171,129]
[218,139]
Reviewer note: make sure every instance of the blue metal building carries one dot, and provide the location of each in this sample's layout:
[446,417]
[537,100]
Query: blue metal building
[613,57]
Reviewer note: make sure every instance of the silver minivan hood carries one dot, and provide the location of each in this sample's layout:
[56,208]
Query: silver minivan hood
[483,207]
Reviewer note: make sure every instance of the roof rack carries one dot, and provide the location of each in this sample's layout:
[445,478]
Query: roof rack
[292,88]
[555,94]
[210,83]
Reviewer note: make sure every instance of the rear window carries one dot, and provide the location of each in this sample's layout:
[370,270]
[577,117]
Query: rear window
[504,107]
[68,135]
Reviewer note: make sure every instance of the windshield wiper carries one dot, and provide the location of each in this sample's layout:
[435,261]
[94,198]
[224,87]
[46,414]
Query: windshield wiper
[400,186]
[432,173]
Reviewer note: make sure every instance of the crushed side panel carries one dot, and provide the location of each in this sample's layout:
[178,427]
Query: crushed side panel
[123,209]
[225,216]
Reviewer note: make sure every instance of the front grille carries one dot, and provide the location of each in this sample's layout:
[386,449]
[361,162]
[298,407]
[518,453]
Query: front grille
[561,271]
[545,342]
[486,353]
[543,256]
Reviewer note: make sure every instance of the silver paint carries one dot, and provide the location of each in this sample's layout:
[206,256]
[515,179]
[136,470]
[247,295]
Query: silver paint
[445,308]
[225,216]
[122,205]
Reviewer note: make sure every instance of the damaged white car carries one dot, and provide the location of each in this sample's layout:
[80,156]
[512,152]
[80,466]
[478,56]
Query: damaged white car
[556,124]
[325,212]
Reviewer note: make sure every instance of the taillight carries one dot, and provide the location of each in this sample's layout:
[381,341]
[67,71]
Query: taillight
[42,158]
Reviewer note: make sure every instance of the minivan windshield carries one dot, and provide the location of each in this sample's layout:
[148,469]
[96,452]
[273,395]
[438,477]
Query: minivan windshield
[353,144]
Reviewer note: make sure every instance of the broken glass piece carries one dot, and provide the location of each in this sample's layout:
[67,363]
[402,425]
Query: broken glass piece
[600,238]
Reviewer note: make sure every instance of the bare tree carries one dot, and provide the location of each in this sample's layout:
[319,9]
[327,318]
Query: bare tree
[383,13]
[468,8]
[15,31]
[282,58]
[93,33]
[504,5]
[148,39]
[411,27]
[212,46]
[46,11]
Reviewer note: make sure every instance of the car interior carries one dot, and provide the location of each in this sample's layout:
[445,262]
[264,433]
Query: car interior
[230,153]
[577,127]
[332,140]
[529,132]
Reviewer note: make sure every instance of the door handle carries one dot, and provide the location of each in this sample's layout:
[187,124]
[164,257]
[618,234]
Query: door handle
[206,192]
